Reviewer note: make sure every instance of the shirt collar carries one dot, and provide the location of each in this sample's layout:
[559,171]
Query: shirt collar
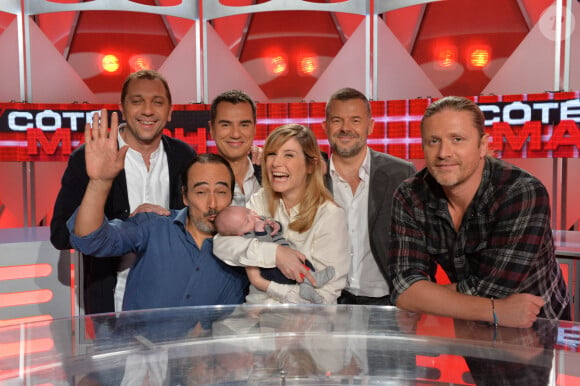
[181,217]
[479,196]
[366,165]
[292,213]
[249,171]
[364,170]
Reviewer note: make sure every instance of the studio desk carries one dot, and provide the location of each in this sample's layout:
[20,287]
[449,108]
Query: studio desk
[286,345]
[43,342]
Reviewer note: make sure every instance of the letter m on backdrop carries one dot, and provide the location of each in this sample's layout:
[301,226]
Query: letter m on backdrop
[517,138]
[41,143]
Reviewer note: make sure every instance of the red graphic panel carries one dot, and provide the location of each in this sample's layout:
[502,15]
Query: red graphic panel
[544,125]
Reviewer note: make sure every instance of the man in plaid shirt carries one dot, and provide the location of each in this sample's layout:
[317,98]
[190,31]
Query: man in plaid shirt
[485,222]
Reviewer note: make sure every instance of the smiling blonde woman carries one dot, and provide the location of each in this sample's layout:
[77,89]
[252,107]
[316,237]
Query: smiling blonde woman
[294,194]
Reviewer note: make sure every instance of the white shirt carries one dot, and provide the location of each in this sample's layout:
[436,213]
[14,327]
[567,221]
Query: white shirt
[325,244]
[251,186]
[144,186]
[364,277]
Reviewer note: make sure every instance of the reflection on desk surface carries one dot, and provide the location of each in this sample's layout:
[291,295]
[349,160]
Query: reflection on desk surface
[567,243]
[286,344]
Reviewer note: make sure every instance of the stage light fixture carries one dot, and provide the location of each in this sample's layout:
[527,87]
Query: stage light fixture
[140,62]
[479,57]
[308,65]
[279,65]
[110,63]
[446,56]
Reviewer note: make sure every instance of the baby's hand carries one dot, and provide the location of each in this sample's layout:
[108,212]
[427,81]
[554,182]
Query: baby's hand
[275,227]
[260,226]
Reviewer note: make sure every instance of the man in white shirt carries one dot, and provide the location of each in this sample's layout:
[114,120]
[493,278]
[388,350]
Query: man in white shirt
[363,182]
[149,182]
[233,127]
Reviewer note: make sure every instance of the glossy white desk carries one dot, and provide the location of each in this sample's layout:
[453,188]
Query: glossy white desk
[289,345]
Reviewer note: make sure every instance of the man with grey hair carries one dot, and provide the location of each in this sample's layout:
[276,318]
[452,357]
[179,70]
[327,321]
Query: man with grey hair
[363,182]
[485,222]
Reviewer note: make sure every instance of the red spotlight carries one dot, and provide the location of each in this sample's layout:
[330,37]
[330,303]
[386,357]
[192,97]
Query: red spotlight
[279,65]
[140,62]
[308,65]
[479,57]
[446,56]
[110,63]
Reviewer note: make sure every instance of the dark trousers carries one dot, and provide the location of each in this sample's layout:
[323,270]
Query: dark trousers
[275,275]
[99,280]
[348,298]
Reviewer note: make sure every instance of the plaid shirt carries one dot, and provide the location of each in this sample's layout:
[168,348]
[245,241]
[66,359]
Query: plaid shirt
[504,244]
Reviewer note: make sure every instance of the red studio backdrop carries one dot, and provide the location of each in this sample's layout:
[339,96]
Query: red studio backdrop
[545,125]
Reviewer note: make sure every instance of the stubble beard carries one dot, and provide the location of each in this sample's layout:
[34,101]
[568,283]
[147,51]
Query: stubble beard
[450,180]
[447,181]
[346,152]
[204,225]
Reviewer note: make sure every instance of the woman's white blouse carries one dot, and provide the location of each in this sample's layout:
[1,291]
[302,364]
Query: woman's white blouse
[326,243]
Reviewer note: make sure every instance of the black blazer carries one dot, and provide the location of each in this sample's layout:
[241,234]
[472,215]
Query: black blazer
[387,172]
[100,274]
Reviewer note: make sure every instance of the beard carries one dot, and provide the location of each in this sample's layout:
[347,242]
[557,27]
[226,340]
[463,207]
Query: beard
[346,152]
[450,179]
[203,224]
[447,181]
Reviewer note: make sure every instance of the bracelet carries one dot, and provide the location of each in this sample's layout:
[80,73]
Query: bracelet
[493,312]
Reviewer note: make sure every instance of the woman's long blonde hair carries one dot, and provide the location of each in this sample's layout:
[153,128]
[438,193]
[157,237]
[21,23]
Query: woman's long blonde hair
[315,193]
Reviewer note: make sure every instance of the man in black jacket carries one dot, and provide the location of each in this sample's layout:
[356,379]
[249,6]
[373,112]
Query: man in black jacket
[150,182]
